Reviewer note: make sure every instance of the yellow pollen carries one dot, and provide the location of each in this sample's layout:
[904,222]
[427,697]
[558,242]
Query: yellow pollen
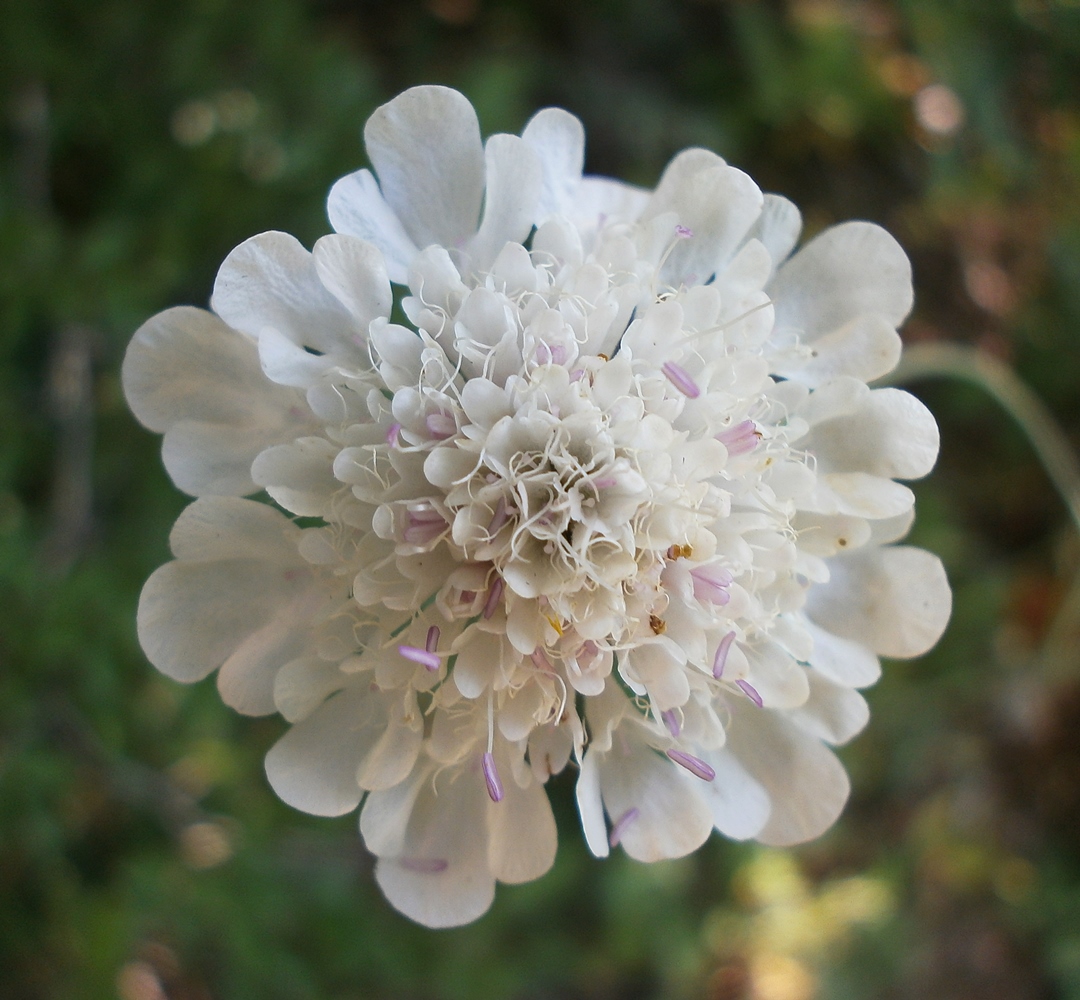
[554,623]
[657,624]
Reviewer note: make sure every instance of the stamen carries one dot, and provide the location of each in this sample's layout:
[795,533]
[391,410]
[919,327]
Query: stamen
[424,866]
[494,596]
[720,659]
[540,660]
[440,425]
[605,482]
[671,720]
[680,378]
[711,583]
[621,824]
[749,690]
[499,518]
[424,526]
[425,657]
[433,634]
[684,232]
[695,765]
[740,438]
[491,777]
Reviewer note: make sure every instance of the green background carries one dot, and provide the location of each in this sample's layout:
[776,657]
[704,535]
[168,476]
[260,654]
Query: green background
[142,854]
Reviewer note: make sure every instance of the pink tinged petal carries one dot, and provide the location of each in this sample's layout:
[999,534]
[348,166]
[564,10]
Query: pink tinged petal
[680,378]
[495,592]
[499,518]
[426,149]
[711,583]
[392,433]
[671,721]
[741,438]
[720,659]
[426,659]
[433,635]
[357,208]
[695,765]
[605,482]
[313,766]
[540,660]
[440,425]
[423,526]
[750,691]
[491,778]
[620,826]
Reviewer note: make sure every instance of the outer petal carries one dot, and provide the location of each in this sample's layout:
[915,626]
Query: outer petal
[313,766]
[523,837]
[807,785]
[426,149]
[558,137]
[848,270]
[356,207]
[214,528]
[895,601]
[440,875]
[354,271]
[739,804]
[833,712]
[271,280]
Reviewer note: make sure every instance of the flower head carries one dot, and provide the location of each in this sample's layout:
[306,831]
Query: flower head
[618,496]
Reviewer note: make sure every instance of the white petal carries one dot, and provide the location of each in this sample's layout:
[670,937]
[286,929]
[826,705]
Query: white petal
[392,756]
[192,616]
[672,819]
[848,270]
[522,833]
[385,815]
[740,805]
[591,804]
[215,459]
[246,679]
[865,347]
[807,785]
[777,227]
[313,766]
[558,137]
[357,208]
[895,600]
[892,434]
[214,528]
[834,712]
[599,200]
[841,660]
[426,150]
[514,183]
[441,876]
[299,476]
[303,684]
[270,280]
[186,363]
[354,271]
[287,363]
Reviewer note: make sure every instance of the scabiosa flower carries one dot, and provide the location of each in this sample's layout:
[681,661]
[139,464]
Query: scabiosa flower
[618,497]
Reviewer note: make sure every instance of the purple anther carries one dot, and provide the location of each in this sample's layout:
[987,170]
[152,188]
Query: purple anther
[499,518]
[711,583]
[424,866]
[605,482]
[432,642]
[392,433]
[540,660]
[468,596]
[740,438]
[424,657]
[680,378]
[491,777]
[621,824]
[671,720]
[720,659]
[493,597]
[684,232]
[695,765]
[750,691]
[424,526]
[441,425]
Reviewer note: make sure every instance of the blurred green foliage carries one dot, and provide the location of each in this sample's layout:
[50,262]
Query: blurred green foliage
[142,855]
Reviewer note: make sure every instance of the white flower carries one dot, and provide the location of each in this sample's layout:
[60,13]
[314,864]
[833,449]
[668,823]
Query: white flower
[619,495]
